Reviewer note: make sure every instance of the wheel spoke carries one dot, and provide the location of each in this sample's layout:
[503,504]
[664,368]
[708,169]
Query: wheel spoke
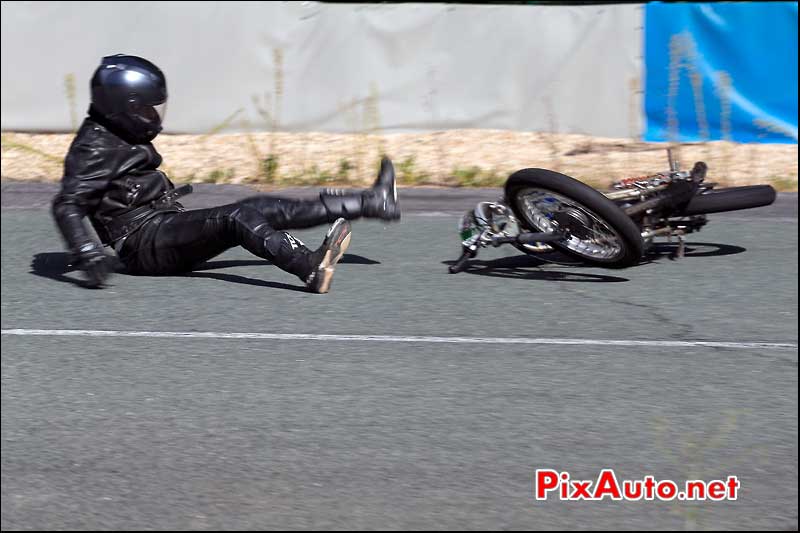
[547,211]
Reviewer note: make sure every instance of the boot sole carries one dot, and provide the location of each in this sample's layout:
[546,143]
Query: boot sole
[322,282]
[394,214]
[394,217]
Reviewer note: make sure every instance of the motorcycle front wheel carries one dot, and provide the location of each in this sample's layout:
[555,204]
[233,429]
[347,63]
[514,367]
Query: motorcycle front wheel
[597,232]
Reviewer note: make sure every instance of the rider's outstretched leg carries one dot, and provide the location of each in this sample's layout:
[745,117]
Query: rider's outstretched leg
[379,201]
[178,242]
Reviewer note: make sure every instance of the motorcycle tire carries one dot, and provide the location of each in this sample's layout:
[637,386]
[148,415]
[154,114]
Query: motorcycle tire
[730,199]
[587,203]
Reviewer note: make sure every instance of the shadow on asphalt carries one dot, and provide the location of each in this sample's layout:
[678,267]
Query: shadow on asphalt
[56,266]
[347,259]
[529,266]
[201,271]
[694,249]
[233,278]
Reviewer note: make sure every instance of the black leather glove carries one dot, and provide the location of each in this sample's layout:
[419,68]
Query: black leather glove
[96,265]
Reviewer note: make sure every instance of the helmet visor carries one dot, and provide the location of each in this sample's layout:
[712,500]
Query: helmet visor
[161,109]
[150,114]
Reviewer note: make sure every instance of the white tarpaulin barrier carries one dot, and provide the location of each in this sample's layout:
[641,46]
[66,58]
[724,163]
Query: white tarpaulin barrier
[306,66]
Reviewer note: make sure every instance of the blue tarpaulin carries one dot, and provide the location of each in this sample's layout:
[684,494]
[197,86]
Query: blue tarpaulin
[721,71]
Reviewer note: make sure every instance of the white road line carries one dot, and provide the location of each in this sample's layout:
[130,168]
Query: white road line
[392,338]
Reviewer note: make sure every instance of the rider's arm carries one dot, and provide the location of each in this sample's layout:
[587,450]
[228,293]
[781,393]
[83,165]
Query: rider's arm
[87,175]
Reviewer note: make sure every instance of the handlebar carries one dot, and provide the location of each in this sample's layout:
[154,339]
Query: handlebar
[529,238]
[459,265]
[523,238]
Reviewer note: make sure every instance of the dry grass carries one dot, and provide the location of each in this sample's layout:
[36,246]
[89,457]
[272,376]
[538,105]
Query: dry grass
[450,158]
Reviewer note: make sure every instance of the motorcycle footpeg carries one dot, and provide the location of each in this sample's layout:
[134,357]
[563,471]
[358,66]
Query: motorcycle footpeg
[680,251]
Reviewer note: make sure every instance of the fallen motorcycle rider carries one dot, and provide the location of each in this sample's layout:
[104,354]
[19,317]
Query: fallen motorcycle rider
[111,176]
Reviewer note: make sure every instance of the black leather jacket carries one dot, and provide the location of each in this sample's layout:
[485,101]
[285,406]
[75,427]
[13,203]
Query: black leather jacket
[105,177]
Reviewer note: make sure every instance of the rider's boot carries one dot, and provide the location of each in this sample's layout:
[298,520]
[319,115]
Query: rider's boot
[379,201]
[324,259]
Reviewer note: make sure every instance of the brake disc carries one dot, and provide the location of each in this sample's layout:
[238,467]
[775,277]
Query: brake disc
[575,222]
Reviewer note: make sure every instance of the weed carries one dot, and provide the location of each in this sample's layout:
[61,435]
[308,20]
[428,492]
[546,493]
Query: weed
[343,173]
[269,168]
[8,143]
[69,89]
[784,184]
[475,176]
[219,176]
[409,174]
[222,125]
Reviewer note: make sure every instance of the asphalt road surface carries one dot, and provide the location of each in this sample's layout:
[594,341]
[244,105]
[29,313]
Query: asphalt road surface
[406,397]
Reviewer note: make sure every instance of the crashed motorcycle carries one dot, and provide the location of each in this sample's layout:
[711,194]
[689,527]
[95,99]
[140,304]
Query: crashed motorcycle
[545,211]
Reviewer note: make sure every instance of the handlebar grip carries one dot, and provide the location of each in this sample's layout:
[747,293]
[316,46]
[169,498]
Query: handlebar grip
[533,238]
[530,238]
[462,262]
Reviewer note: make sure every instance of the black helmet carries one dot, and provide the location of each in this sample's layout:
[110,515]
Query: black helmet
[131,94]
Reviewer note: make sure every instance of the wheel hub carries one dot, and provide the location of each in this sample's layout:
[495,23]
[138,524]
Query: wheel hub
[588,235]
[575,222]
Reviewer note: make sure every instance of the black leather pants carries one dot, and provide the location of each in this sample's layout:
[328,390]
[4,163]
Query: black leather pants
[176,242]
